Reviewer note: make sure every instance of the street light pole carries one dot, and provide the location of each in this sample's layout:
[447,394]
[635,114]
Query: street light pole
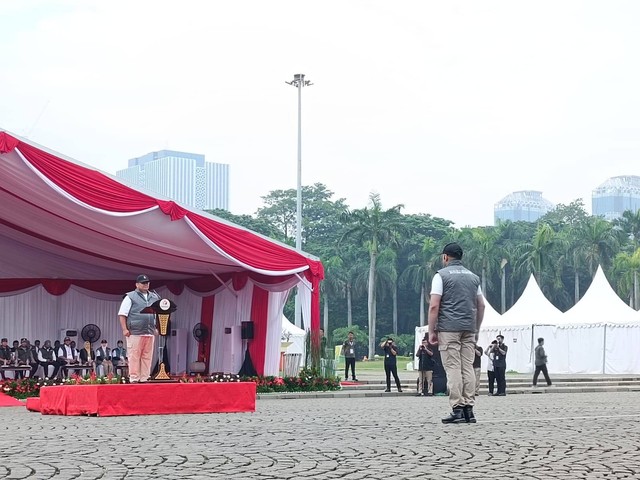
[299,82]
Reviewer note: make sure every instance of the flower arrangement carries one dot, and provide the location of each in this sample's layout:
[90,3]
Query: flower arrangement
[20,388]
[213,378]
[30,387]
[93,379]
[306,381]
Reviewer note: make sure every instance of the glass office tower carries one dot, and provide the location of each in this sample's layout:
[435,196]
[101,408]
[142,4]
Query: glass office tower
[615,196]
[525,205]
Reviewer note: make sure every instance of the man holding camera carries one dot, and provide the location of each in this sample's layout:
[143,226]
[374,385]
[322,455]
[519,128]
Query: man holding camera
[456,311]
[500,365]
[391,363]
[425,368]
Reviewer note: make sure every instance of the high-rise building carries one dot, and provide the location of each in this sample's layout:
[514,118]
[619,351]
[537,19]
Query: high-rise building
[181,176]
[615,196]
[525,205]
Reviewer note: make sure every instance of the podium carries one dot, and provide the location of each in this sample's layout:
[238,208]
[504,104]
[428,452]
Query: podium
[162,309]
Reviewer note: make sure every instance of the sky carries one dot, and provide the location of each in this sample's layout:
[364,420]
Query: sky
[443,107]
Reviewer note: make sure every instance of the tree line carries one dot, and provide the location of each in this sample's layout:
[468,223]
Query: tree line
[379,261]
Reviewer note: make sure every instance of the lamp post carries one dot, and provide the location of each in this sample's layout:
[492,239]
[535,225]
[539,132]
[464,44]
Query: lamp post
[299,82]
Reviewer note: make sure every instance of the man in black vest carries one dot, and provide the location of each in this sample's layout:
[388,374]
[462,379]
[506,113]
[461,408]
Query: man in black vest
[139,328]
[456,311]
[25,358]
[104,366]
[48,358]
[5,355]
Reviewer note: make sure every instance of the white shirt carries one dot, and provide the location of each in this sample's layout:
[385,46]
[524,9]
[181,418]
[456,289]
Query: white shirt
[125,306]
[436,286]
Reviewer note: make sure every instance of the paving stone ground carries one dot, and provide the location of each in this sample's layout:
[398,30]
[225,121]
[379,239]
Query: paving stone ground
[544,436]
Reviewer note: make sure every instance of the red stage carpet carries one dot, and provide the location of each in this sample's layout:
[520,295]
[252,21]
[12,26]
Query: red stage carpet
[148,399]
[9,401]
[33,404]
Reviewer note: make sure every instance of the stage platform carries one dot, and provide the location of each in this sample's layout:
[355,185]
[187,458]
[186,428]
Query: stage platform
[146,399]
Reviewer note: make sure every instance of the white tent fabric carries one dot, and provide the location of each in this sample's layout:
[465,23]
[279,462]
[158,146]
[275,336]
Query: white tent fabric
[517,338]
[621,349]
[295,335]
[532,308]
[599,305]
[491,315]
[572,349]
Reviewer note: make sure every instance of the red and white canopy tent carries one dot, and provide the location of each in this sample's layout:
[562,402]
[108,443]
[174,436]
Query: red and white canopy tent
[73,239]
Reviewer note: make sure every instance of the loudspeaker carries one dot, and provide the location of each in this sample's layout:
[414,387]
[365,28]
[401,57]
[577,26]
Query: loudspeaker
[246,331]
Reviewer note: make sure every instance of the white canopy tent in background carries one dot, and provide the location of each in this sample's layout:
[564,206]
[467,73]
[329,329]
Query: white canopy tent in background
[295,335]
[532,308]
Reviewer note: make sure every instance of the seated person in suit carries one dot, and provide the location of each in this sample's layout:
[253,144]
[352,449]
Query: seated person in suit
[25,358]
[5,355]
[47,358]
[104,366]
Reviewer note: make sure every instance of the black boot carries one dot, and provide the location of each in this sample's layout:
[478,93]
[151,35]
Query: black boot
[469,417]
[456,416]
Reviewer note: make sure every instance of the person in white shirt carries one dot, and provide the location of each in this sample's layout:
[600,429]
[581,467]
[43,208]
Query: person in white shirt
[67,356]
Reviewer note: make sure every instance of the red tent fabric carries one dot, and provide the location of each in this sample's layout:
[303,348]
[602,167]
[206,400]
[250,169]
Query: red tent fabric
[64,223]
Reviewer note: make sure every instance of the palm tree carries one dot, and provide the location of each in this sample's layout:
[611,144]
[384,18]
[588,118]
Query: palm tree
[333,285]
[387,278]
[600,241]
[630,224]
[373,227]
[420,271]
[534,257]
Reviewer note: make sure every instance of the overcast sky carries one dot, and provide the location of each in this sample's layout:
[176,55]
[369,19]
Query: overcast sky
[445,107]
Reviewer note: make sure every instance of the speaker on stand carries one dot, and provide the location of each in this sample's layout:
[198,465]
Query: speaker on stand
[246,333]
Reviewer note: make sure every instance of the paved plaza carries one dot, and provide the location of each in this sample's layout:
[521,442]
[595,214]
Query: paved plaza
[540,436]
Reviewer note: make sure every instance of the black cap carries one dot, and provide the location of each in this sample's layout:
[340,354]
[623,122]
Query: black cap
[103,341]
[453,250]
[142,279]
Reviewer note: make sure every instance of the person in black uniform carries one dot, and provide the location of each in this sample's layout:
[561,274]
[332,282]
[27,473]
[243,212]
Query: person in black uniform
[500,365]
[425,368]
[390,363]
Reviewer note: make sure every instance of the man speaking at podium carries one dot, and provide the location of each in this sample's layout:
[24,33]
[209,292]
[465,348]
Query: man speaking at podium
[139,329]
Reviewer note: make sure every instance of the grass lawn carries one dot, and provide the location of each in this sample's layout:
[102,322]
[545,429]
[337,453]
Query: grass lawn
[372,365]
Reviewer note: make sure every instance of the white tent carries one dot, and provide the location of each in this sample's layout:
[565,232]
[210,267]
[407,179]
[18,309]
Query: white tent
[295,335]
[532,308]
[599,334]
[600,304]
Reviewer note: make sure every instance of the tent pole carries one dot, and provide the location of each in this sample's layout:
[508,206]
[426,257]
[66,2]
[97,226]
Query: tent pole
[604,350]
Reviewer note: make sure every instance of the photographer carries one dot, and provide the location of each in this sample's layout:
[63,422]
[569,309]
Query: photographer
[390,363]
[500,365]
[425,368]
[491,376]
